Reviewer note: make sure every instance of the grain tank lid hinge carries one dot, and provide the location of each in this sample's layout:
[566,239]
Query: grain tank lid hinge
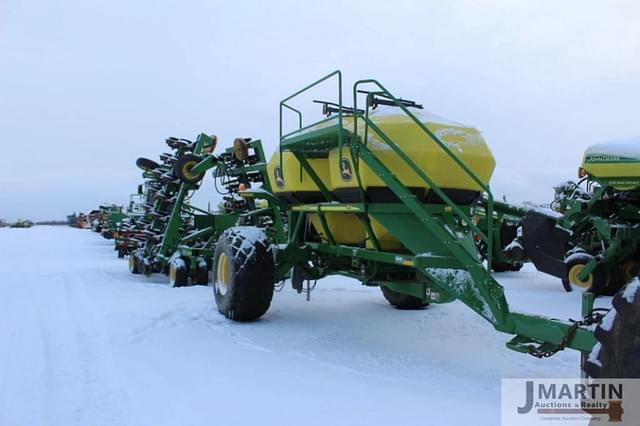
[329,108]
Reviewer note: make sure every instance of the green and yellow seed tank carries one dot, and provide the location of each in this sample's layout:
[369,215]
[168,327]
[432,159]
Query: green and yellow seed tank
[616,163]
[340,178]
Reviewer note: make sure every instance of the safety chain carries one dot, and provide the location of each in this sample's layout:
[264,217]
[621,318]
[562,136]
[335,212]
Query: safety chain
[595,317]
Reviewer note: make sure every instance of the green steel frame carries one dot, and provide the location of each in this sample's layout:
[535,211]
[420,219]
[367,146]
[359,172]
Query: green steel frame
[209,225]
[161,253]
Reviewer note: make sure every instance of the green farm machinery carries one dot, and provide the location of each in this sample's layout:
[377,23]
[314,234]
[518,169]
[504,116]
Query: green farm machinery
[239,167]
[180,237]
[394,197]
[129,233]
[21,223]
[168,217]
[105,219]
[79,220]
[506,229]
[591,236]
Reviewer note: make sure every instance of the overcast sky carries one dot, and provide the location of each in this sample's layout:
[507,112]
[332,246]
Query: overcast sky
[88,86]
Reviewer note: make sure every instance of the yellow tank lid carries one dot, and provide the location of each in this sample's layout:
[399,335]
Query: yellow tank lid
[463,141]
[617,162]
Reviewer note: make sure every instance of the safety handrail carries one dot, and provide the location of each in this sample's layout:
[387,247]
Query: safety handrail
[294,110]
[487,238]
[283,103]
[424,128]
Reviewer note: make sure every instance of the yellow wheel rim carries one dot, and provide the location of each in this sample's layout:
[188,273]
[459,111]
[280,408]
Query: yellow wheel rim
[223,274]
[186,169]
[573,276]
[172,273]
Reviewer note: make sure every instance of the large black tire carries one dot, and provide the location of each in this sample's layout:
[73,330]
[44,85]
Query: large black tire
[618,277]
[617,353]
[202,272]
[178,273]
[402,301]
[243,273]
[183,167]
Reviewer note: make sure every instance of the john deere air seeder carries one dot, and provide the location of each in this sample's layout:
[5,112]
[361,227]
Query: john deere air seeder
[397,198]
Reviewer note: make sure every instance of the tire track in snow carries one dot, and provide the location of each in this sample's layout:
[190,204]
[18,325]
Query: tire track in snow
[57,365]
[21,356]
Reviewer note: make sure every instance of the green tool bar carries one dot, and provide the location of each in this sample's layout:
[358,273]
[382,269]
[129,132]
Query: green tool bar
[362,253]
[199,234]
[420,262]
[509,209]
[194,208]
[207,162]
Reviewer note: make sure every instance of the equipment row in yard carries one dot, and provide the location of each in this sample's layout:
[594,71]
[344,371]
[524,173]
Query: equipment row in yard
[395,197]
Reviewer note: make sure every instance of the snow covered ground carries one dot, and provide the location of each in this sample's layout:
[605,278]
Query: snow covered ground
[84,342]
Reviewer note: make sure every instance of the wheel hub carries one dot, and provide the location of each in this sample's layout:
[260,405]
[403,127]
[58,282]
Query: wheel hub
[573,276]
[186,169]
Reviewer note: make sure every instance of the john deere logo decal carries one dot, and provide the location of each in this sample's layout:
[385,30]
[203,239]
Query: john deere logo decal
[345,170]
[606,158]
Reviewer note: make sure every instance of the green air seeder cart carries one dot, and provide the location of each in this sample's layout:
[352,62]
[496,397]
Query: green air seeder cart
[385,193]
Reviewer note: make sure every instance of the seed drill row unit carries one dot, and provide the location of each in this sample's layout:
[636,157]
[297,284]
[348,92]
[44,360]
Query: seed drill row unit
[178,238]
[397,198]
